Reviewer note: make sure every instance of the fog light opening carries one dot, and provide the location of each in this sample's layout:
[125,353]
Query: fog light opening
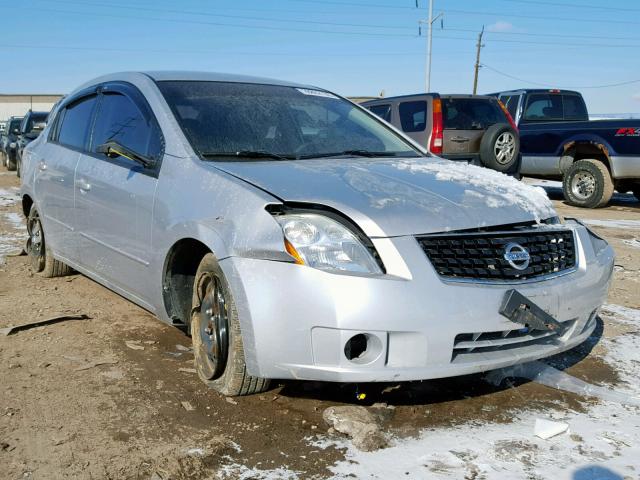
[356,347]
[363,348]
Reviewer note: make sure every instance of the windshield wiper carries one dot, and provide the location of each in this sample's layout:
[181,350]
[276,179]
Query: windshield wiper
[356,153]
[247,154]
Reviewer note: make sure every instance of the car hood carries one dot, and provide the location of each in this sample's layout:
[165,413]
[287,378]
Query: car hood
[390,197]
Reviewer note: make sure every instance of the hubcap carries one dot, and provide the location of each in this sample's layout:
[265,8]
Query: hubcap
[505,148]
[35,242]
[212,328]
[583,185]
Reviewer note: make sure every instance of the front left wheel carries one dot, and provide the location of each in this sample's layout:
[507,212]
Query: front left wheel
[40,255]
[216,334]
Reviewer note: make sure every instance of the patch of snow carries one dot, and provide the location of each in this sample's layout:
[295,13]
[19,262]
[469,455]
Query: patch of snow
[604,441]
[241,472]
[624,224]
[15,220]
[498,189]
[632,243]
[9,196]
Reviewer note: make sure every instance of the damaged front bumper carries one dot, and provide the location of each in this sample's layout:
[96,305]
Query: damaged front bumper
[300,323]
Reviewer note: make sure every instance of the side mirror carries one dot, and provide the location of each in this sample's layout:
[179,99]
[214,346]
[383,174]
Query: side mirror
[113,149]
[39,126]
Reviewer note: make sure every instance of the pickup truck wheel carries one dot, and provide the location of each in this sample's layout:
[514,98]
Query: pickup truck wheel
[18,167]
[587,184]
[40,255]
[216,335]
[500,147]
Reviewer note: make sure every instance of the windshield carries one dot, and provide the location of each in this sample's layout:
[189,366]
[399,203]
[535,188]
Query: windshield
[278,122]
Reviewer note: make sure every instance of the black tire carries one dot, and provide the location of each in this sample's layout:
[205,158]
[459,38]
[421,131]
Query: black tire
[216,334]
[40,256]
[587,184]
[11,161]
[18,167]
[500,147]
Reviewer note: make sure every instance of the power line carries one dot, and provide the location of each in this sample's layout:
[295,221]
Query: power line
[221,24]
[574,5]
[240,17]
[365,5]
[552,85]
[541,17]
[528,42]
[543,34]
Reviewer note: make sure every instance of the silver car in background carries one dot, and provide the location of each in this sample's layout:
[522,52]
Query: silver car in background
[295,235]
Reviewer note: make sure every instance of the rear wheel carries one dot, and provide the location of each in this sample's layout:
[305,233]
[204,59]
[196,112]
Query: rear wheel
[587,184]
[500,147]
[40,255]
[217,339]
[18,167]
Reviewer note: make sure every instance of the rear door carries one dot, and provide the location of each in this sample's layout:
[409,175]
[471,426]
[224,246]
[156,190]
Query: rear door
[465,121]
[115,195]
[54,174]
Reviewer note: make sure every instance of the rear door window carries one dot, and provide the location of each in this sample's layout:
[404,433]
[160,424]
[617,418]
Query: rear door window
[383,111]
[120,120]
[574,108]
[544,107]
[471,113]
[76,123]
[413,116]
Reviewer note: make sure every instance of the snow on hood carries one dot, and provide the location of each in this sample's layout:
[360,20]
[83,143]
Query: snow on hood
[390,197]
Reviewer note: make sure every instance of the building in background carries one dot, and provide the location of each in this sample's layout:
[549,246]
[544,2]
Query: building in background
[18,104]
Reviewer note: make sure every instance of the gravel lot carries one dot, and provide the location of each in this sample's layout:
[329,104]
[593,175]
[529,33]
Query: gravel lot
[116,397]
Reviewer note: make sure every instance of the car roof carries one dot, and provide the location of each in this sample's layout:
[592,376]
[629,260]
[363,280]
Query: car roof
[418,95]
[536,90]
[177,75]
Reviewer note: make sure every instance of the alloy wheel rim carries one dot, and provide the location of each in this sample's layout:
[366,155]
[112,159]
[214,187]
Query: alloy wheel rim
[35,247]
[505,148]
[583,185]
[213,328]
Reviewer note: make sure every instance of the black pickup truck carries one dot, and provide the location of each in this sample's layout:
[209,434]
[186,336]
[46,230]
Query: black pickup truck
[558,141]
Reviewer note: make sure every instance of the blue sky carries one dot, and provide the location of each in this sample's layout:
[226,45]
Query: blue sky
[54,45]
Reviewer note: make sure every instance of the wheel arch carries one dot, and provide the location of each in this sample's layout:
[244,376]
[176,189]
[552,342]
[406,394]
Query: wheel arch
[27,204]
[178,274]
[583,148]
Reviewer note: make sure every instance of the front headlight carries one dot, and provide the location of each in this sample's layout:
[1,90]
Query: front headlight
[325,244]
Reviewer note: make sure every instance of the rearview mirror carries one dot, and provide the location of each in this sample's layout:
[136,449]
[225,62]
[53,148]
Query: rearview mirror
[113,149]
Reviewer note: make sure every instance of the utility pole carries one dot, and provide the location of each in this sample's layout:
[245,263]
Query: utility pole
[479,46]
[429,23]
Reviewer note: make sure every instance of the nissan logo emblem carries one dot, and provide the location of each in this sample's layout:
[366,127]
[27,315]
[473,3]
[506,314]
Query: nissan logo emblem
[517,256]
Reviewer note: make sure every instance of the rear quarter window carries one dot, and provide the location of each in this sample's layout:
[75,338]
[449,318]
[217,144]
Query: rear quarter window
[413,116]
[471,113]
[382,111]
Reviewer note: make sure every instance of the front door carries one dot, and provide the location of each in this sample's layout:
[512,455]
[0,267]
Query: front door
[115,194]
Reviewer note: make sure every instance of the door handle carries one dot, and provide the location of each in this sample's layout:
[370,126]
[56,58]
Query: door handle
[459,139]
[83,186]
[42,166]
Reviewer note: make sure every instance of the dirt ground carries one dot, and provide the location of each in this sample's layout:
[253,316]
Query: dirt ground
[116,396]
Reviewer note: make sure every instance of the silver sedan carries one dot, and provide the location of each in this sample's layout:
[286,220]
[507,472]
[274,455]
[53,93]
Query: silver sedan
[294,235]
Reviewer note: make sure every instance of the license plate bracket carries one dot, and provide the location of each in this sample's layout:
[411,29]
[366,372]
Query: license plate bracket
[520,309]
